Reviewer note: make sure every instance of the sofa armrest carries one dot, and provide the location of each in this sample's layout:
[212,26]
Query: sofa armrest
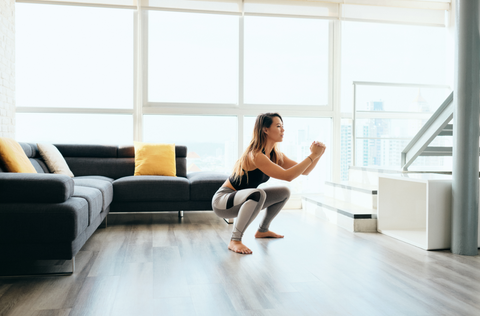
[35,188]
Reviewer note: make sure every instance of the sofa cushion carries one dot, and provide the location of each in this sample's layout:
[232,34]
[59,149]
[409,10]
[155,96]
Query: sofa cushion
[54,159]
[151,188]
[93,197]
[13,157]
[204,184]
[154,159]
[103,185]
[102,178]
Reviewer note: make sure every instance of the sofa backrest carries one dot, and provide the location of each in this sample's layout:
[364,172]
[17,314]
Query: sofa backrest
[33,155]
[101,160]
[109,161]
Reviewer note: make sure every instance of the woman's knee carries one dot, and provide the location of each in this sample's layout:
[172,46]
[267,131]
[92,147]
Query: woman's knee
[284,192]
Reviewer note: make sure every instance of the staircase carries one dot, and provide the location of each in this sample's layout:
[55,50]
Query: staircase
[349,204]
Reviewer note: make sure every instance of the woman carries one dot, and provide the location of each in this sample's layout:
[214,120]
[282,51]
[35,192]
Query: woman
[239,196]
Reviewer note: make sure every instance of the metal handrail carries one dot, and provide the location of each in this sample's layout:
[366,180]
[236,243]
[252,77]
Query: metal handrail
[432,128]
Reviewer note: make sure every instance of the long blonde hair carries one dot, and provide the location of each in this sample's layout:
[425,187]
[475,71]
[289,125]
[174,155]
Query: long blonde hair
[257,144]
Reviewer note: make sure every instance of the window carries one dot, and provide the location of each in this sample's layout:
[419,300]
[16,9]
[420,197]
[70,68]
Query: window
[201,71]
[211,140]
[286,61]
[391,53]
[192,58]
[57,128]
[73,56]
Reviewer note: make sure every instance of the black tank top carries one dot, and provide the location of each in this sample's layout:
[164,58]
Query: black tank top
[255,178]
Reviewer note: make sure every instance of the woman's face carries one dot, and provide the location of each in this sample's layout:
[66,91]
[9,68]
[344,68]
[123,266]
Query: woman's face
[275,131]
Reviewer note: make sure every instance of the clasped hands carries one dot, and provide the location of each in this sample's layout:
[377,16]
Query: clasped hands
[317,149]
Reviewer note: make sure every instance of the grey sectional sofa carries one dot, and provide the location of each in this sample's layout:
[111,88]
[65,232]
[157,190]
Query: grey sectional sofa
[46,216]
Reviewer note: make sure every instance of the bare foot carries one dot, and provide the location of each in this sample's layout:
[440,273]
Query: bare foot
[268,234]
[238,247]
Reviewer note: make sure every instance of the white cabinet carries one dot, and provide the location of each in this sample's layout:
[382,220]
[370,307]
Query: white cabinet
[416,208]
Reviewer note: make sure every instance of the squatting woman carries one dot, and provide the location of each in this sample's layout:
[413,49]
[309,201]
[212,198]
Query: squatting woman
[239,196]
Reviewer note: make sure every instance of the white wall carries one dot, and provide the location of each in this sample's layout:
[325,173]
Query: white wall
[7,68]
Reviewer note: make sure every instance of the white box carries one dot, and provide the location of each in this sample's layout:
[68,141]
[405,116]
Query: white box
[416,208]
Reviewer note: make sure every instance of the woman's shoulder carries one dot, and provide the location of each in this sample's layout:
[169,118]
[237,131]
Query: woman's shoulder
[250,161]
[254,156]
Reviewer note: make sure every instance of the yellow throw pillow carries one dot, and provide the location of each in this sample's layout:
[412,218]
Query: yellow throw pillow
[13,156]
[155,159]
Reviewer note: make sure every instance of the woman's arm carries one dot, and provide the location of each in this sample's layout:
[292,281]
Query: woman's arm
[311,167]
[288,163]
[273,170]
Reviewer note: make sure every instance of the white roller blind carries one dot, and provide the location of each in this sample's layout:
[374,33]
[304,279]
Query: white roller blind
[426,12]
[413,4]
[115,3]
[262,5]
[234,6]
[292,7]
[393,14]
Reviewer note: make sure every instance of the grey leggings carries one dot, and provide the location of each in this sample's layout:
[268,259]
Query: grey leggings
[244,205]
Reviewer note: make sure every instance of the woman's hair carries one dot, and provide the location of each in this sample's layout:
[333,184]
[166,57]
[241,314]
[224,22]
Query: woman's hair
[257,144]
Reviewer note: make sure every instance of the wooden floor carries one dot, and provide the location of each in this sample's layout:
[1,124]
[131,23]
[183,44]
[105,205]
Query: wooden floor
[154,264]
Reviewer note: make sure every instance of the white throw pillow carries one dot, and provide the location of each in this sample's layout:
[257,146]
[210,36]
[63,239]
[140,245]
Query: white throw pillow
[54,159]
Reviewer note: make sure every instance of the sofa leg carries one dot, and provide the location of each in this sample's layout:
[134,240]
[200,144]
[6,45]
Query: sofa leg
[104,223]
[180,214]
[228,220]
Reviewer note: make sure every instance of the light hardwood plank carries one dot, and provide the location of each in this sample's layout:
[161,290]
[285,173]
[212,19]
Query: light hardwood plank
[60,293]
[136,283]
[157,264]
[51,312]
[19,299]
[168,277]
[96,297]
[211,299]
